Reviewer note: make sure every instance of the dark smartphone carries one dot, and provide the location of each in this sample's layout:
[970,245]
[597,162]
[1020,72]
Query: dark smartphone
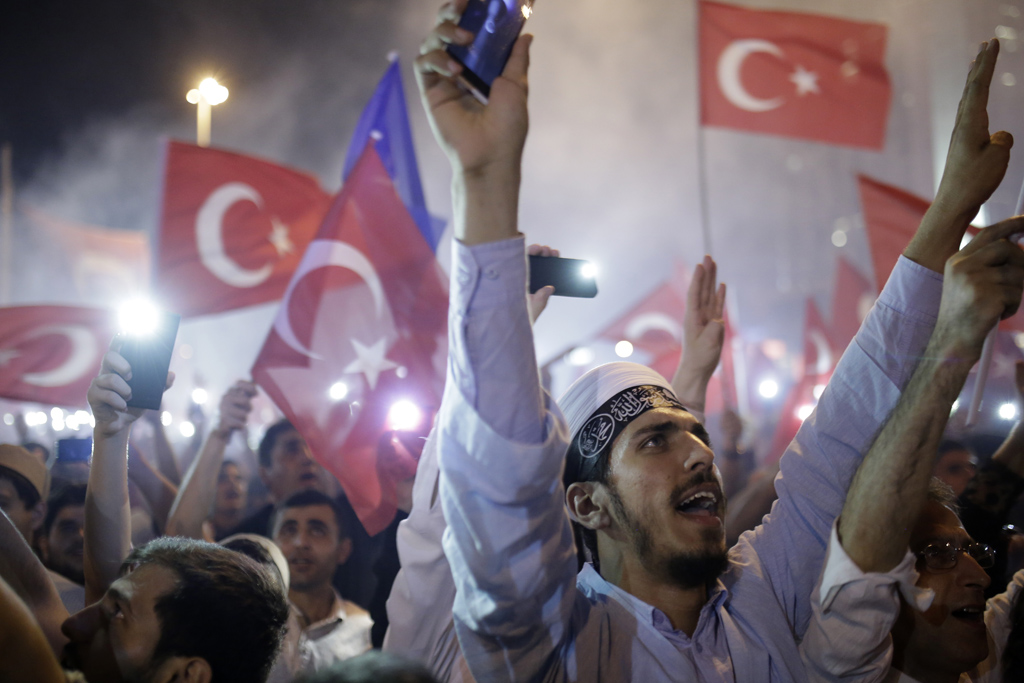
[496,25]
[149,354]
[569,276]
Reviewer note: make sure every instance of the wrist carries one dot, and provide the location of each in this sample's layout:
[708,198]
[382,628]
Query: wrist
[691,386]
[486,205]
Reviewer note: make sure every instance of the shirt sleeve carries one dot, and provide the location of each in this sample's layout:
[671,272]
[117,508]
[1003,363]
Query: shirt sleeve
[817,468]
[852,613]
[508,540]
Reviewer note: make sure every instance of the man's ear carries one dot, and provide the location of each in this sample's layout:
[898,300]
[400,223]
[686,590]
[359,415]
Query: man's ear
[588,504]
[184,670]
[344,550]
[38,515]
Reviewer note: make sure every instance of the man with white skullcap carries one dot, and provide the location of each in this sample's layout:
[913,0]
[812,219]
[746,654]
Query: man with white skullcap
[662,601]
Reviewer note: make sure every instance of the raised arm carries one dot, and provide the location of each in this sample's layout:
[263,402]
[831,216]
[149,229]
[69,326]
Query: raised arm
[199,488]
[27,656]
[107,513]
[703,335]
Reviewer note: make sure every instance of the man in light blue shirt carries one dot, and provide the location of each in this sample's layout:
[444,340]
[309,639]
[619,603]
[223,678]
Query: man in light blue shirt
[659,609]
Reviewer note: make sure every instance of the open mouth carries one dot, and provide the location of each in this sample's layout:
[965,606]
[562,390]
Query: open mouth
[972,614]
[702,504]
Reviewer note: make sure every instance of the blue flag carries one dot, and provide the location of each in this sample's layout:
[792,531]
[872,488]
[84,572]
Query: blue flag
[385,121]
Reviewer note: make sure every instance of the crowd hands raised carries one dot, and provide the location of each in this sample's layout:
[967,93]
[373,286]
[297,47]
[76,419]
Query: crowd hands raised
[577,540]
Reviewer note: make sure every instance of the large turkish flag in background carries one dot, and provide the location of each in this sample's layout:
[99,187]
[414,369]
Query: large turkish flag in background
[798,75]
[232,229]
[49,354]
[366,308]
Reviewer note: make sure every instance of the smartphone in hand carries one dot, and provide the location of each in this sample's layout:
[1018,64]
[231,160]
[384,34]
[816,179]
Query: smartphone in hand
[495,25]
[149,354]
[569,276]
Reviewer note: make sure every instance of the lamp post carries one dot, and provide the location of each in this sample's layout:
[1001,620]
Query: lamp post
[208,94]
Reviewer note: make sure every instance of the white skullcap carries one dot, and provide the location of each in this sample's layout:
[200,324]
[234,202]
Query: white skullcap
[590,391]
[272,549]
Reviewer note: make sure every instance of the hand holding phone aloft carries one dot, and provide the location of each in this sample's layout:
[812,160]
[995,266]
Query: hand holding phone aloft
[495,26]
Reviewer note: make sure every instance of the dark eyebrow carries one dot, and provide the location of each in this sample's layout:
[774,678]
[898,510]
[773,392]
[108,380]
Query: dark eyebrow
[320,524]
[666,427]
[120,597]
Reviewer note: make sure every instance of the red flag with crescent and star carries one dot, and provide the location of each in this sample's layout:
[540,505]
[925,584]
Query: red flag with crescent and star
[793,74]
[49,354]
[232,229]
[362,327]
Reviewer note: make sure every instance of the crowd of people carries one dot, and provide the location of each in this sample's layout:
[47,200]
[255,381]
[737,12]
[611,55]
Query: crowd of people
[583,539]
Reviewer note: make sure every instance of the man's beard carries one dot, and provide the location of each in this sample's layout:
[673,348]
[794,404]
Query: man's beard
[685,569]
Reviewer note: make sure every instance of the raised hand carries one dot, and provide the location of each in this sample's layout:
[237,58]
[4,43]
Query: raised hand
[235,406]
[474,135]
[109,393]
[703,334]
[975,165]
[538,301]
[982,284]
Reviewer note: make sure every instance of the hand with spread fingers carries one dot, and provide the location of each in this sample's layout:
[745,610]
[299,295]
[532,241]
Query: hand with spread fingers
[975,166]
[703,335]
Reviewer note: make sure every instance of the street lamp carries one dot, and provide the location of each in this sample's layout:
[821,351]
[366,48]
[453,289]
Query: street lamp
[208,94]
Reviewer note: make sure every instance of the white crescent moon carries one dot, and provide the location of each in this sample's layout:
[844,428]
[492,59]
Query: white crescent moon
[653,321]
[824,364]
[321,254]
[81,360]
[210,239]
[729,65]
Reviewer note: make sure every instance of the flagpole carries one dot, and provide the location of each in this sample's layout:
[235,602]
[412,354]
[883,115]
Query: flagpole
[6,223]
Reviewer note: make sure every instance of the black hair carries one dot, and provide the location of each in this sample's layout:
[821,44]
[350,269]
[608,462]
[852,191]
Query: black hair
[308,498]
[950,445]
[67,496]
[22,486]
[270,438]
[586,538]
[225,608]
[373,667]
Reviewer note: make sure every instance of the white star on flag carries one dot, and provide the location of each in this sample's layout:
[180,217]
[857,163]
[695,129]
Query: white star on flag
[279,237]
[6,355]
[371,360]
[805,81]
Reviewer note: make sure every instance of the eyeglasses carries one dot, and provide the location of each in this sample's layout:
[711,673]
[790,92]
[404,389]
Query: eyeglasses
[940,557]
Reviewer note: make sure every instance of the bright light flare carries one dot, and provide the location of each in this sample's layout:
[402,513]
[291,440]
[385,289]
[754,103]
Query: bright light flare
[192,96]
[212,91]
[166,418]
[8,419]
[818,390]
[580,356]
[404,416]
[623,349]
[527,11]
[35,418]
[804,411]
[769,388]
[187,429]
[1008,411]
[138,317]
[199,396]
[588,270]
[338,391]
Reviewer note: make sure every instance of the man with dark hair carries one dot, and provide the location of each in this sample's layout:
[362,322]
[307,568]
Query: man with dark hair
[24,483]
[310,531]
[659,609]
[61,545]
[956,465]
[181,608]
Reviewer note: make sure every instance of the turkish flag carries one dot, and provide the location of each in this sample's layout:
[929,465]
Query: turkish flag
[232,229]
[891,216]
[792,74]
[818,364]
[852,299]
[49,354]
[364,321]
[104,264]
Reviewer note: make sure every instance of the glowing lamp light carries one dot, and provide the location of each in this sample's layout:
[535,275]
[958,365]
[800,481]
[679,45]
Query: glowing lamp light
[8,419]
[588,270]
[404,415]
[580,356]
[527,11]
[338,391]
[35,418]
[818,390]
[212,91]
[165,418]
[623,349]
[956,404]
[1008,411]
[804,411]
[138,317]
[192,96]
[199,396]
[56,414]
[187,429]
[769,388]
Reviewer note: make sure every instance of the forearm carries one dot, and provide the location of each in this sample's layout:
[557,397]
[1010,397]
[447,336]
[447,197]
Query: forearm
[20,567]
[166,463]
[485,204]
[27,656]
[939,235]
[691,386]
[891,485]
[195,497]
[158,491]
[107,513]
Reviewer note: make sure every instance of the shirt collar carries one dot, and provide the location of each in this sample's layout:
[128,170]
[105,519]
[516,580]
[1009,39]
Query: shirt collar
[590,581]
[336,614]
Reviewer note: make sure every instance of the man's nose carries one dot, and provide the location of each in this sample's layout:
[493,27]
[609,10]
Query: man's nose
[700,457]
[972,574]
[81,625]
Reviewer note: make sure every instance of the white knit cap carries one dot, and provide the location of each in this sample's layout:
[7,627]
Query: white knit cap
[590,391]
